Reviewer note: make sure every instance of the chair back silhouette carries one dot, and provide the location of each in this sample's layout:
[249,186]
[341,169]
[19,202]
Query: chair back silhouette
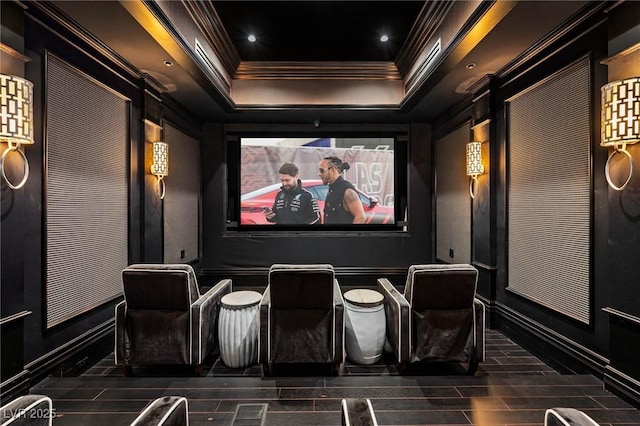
[562,416]
[164,411]
[301,317]
[438,318]
[164,320]
[358,412]
[28,410]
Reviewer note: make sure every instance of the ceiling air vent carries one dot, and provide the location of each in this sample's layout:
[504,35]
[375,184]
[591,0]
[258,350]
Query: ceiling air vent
[210,68]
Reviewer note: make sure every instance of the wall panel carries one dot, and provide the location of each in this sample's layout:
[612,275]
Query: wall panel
[453,202]
[182,200]
[549,192]
[86,192]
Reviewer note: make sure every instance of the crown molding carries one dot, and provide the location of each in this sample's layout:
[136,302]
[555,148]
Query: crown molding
[256,70]
[622,54]
[425,27]
[4,48]
[209,23]
[51,12]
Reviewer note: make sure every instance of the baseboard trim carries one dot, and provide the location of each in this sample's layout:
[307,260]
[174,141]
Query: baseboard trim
[622,385]
[14,386]
[38,369]
[552,347]
[48,363]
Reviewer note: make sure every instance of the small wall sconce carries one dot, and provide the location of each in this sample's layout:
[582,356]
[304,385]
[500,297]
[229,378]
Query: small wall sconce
[620,121]
[474,166]
[160,165]
[16,121]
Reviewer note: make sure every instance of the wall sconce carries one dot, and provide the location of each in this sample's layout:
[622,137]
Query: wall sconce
[474,166]
[16,121]
[160,165]
[620,121]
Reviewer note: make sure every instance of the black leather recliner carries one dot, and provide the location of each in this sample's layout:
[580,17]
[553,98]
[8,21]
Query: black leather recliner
[438,319]
[301,318]
[164,411]
[562,416]
[164,320]
[28,410]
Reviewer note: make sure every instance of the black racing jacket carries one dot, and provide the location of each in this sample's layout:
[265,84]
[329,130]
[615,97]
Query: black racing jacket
[295,207]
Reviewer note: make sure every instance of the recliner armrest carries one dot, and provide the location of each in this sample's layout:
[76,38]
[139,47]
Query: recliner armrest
[263,334]
[204,321]
[121,349]
[166,410]
[397,313]
[560,416]
[18,412]
[338,311]
[479,310]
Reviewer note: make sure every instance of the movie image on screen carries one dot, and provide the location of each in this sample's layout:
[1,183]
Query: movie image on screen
[285,182]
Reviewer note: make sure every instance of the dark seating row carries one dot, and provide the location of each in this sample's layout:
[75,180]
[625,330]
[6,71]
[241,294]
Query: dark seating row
[37,410]
[164,320]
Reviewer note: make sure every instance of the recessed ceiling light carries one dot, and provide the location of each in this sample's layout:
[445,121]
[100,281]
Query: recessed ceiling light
[168,63]
[384,38]
[251,38]
[471,65]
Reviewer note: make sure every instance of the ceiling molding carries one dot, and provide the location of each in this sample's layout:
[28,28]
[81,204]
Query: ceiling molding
[340,93]
[138,37]
[481,85]
[208,21]
[68,24]
[4,48]
[555,36]
[429,20]
[165,31]
[255,70]
[482,19]
[309,107]
[633,49]
[151,82]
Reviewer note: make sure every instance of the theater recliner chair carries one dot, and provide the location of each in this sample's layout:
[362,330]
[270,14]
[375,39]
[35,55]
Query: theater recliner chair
[28,410]
[358,412]
[438,319]
[301,318]
[164,320]
[164,411]
[561,416]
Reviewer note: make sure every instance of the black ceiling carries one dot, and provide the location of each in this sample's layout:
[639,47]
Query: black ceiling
[496,40]
[318,30]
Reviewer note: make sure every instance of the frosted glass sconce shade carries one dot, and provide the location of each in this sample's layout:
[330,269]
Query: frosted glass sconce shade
[160,165]
[16,121]
[620,121]
[474,166]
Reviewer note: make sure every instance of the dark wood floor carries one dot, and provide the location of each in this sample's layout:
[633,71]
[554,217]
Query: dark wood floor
[511,387]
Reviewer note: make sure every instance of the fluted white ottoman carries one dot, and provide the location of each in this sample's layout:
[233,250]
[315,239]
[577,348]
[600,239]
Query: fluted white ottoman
[238,328]
[365,325]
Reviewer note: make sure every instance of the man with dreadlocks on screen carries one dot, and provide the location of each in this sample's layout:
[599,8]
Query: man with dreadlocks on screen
[342,204]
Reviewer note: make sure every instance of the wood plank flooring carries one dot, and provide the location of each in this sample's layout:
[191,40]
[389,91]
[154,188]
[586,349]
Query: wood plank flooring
[511,387]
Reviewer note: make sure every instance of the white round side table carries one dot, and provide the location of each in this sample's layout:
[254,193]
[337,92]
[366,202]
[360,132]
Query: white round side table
[238,328]
[365,325]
